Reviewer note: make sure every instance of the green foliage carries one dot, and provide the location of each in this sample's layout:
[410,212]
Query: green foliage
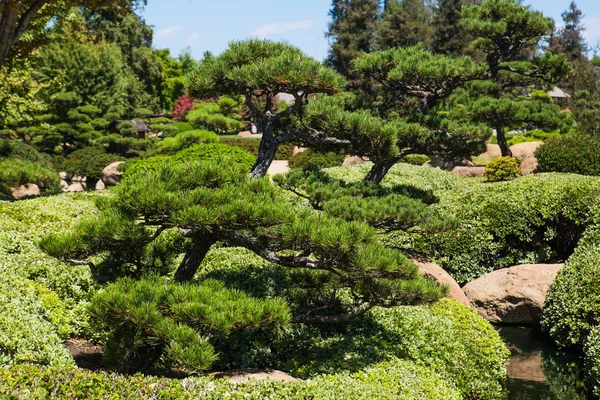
[222,116]
[502,169]
[183,140]
[311,158]
[89,162]
[578,153]
[592,360]
[151,319]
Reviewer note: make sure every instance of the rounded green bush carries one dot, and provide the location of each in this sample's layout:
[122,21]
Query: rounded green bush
[311,158]
[578,154]
[89,162]
[592,361]
[502,169]
[183,140]
[415,159]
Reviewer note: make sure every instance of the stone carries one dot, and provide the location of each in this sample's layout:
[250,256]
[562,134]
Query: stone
[350,161]
[437,273]
[100,185]
[492,151]
[64,185]
[64,176]
[512,295]
[245,134]
[76,187]
[468,171]
[529,165]
[111,176]
[525,150]
[244,375]
[27,190]
[77,178]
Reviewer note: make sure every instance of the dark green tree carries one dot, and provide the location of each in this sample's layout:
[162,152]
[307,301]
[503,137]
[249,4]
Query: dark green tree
[260,70]
[404,23]
[506,31]
[449,36]
[351,32]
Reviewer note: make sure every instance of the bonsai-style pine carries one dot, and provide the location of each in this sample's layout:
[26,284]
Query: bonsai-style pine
[509,33]
[261,70]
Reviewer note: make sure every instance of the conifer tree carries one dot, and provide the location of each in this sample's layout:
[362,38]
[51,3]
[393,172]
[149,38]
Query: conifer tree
[259,71]
[449,37]
[504,30]
[351,32]
[404,23]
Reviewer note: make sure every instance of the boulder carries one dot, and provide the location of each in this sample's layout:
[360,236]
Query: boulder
[512,295]
[77,178]
[111,176]
[244,375]
[525,150]
[76,187]
[437,273]
[492,151]
[64,176]
[27,190]
[350,161]
[529,165]
[468,171]
[100,185]
[64,185]
[245,134]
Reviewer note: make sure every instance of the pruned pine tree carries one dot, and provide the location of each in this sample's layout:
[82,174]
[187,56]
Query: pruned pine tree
[505,31]
[260,70]
[430,78]
[338,263]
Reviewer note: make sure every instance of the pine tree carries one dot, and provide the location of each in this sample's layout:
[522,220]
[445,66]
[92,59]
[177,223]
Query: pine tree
[405,23]
[351,32]
[259,71]
[506,31]
[572,41]
[449,36]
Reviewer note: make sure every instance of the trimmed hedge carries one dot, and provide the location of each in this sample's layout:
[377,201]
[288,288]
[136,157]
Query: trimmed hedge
[284,152]
[578,154]
[311,158]
[592,361]
[398,380]
[89,162]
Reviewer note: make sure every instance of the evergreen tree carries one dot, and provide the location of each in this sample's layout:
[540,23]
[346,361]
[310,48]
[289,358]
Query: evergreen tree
[260,70]
[572,41]
[504,30]
[351,32]
[449,36]
[404,23]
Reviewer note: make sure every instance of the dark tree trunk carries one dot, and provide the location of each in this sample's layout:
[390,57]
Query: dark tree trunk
[194,256]
[501,136]
[266,151]
[380,170]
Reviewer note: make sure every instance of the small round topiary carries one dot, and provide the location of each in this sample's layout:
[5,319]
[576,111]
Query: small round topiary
[577,154]
[502,169]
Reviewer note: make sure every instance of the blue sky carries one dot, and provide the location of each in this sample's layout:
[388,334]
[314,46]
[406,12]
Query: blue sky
[209,25]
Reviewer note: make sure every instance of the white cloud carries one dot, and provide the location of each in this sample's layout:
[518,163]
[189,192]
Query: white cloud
[592,30]
[282,27]
[191,39]
[168,31]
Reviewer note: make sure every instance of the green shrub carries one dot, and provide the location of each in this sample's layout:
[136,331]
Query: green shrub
[15,172]
[592,361]
[400,380]
[415,159]
[89,162]
[183,140]
[572,306]
[522,139]
[502,169]
[284,152]
[578,154]
[26,330]
[311,158]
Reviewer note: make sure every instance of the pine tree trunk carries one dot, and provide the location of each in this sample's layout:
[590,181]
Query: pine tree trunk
[266,151]
[501,136]
[194,256]
[380,170]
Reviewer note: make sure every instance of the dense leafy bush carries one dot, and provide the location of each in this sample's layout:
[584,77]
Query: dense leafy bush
[415,159]
[399,380]
[183,140]
[15,172]
[502,169]
[284,152]
[151,320]
[592,360]
[89,162]
[578,154]
[316,159]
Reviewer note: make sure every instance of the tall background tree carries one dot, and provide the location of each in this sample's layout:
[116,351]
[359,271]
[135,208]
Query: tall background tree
[449,36]
[404,23]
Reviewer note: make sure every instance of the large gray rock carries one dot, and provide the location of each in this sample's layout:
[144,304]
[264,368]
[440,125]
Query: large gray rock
[76,187]
[492,151]
[437,273]
[243,375]
[512,295]
[27,190]
[111,176]
[529,165]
